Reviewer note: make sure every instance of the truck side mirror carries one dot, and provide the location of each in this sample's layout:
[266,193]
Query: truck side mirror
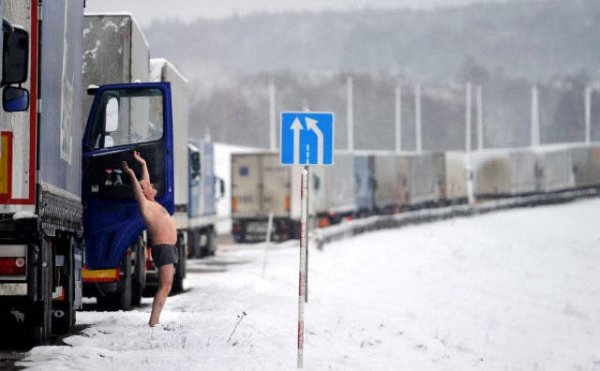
[195,162]
[15,57]
[221,183]
[15,99]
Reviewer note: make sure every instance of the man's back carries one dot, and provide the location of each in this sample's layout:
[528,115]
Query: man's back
[160,224]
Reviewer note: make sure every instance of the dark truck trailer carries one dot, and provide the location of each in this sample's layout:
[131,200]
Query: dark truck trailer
[40,162]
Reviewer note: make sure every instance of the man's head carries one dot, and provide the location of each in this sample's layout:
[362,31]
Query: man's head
[148,190]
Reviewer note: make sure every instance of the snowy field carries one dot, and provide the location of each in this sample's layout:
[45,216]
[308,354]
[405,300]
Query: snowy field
[512,290]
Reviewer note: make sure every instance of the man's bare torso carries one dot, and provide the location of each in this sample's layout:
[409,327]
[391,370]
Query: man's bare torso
[161,227]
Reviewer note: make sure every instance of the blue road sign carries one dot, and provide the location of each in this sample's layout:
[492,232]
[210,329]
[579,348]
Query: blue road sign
[306,138]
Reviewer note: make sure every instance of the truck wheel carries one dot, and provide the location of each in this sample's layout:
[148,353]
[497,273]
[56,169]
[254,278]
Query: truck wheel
[108,302]
[120,300]
[139,277]
[194,245]
[63,312]
[210,248]
[42,322]
[126,287]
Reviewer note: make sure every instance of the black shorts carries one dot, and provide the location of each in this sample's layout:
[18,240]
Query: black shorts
[164,254]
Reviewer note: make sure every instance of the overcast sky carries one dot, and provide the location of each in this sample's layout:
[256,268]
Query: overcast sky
[147,10]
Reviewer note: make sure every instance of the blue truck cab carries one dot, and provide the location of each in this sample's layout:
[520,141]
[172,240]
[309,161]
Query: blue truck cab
[123,118]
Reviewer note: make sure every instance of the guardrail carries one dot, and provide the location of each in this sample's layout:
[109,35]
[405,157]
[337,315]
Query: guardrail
[319,237]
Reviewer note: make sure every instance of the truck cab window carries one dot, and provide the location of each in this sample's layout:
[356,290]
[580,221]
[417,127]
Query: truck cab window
[128,117]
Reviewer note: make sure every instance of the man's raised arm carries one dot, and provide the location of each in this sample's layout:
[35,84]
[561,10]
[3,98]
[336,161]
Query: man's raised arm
[137,189]
[142,162]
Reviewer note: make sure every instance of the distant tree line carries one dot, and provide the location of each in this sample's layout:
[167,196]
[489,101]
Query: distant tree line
[502,48]
[240,114]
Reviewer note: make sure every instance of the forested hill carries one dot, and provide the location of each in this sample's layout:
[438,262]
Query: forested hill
[534,40]
[505,48]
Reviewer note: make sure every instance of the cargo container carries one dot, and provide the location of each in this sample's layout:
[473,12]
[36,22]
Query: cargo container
[504,173]
[586,165]
[40,199]
[340,188]
[555,169]
[261,186]
[195,180]
[364,185]
[115,51]
[388,191]
[417,180]
[451,177]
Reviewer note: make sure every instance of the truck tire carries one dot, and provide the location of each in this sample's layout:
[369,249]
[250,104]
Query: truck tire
[126,287]
[211,237]
[139,276]
[41,326]
[63,312]
[195,248]
[121,300]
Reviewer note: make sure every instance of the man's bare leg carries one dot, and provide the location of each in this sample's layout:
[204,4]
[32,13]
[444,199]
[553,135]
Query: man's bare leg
[165,281]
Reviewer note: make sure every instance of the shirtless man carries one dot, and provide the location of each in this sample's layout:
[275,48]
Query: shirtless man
[162,233]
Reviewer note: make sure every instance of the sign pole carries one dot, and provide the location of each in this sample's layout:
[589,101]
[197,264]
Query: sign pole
[302,276]
[306,231]
[306,139]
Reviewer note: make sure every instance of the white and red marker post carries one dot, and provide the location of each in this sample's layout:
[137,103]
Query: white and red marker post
[302,276]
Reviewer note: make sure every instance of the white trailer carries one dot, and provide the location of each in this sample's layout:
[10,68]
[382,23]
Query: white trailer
[504,172]
[451,170]
[417,181]
[40,169]
[260,186]
[555,169]
[586,165]
[340,188]
[388,195]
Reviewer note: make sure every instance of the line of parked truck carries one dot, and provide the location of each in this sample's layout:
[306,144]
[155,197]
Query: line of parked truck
[69,225]
[368,183]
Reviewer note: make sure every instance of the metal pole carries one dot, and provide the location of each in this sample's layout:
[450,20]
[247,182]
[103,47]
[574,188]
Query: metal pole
[470,185]
[479,119]
[398,119]
[535,117]
[306,230]
[350,112]
[418,118]
[588,113]
[302,275]
[272,118]
[468,118]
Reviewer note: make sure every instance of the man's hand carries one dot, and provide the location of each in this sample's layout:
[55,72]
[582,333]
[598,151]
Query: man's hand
[145,174]
[127,169]
[139,158]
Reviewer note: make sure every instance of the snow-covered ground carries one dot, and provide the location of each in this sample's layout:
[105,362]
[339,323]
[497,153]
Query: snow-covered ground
[511,290]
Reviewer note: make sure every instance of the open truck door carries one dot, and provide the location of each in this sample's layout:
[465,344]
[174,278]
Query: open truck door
[123,118]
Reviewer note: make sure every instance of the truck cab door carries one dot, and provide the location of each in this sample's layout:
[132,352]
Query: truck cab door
[123,118]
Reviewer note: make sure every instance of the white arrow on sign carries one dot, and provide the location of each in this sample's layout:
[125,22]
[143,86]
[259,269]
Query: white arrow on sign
[312,125]
[296,127]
